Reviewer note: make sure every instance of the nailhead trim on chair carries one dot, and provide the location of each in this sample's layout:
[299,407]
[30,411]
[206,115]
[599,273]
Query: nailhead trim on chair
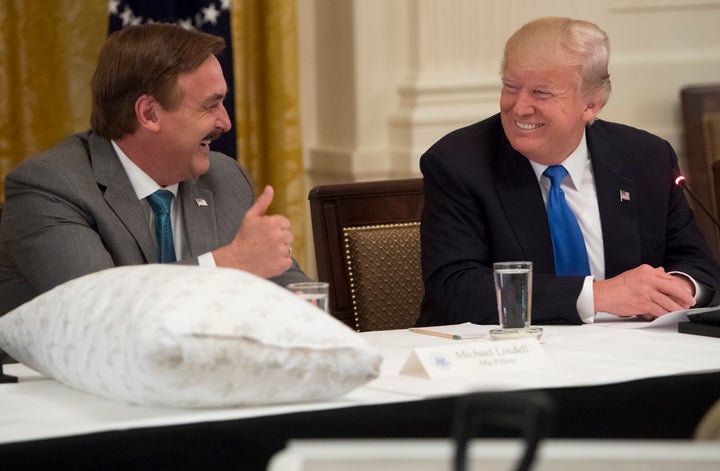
[352,275]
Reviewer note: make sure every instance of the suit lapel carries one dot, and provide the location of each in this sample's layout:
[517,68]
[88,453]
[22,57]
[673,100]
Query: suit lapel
[120,195]
[199,216]
[618,211]
[521,199]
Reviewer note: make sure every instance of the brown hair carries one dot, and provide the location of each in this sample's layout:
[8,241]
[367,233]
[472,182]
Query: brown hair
[552,41]
[144,59]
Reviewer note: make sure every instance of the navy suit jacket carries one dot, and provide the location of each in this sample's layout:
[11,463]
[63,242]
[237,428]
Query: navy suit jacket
[483,204]
[72,211]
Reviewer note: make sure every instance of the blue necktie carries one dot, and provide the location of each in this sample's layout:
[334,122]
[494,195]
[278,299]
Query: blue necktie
[160,202]
[568,245]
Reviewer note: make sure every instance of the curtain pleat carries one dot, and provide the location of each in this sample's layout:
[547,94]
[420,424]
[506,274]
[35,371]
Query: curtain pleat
[47,57]
[267,106]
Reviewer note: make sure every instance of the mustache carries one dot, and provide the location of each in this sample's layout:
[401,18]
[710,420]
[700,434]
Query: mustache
[214,135]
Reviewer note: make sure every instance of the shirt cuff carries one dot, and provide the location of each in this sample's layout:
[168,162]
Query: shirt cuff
[586,301]
[207,260]
[699,292]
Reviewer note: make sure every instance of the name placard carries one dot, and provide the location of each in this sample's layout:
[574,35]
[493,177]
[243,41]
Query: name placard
[466,359]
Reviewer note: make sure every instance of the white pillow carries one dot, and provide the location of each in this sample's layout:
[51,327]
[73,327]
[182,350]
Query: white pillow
[187,336]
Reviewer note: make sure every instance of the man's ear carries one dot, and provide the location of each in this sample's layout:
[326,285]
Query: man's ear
[146,108]
[592,108]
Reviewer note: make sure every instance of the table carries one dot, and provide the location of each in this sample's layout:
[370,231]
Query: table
[607,383]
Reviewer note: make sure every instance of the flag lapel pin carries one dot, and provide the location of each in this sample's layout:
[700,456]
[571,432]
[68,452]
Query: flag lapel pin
[624,195]
[200,202]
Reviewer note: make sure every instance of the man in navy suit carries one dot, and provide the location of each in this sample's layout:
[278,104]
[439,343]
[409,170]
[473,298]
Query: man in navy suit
[83,206]
[485,196]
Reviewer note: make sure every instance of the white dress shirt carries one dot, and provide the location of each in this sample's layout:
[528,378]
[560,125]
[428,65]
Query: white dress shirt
[581,196]
[144,186]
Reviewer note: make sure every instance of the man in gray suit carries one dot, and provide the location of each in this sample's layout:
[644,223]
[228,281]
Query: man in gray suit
[82,206]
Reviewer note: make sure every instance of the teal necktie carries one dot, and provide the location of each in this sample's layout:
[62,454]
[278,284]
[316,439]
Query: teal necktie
[571,257]
[160,202]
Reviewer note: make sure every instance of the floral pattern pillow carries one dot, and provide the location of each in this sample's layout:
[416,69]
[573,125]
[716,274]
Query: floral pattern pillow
[187,336]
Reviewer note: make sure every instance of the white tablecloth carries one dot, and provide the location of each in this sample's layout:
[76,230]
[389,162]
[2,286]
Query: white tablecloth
[38,407]
[584,355]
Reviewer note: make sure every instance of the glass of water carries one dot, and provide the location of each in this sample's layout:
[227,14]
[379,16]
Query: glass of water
[315,292]
[513,289]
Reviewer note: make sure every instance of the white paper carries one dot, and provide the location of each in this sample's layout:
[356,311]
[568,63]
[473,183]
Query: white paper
[671,318]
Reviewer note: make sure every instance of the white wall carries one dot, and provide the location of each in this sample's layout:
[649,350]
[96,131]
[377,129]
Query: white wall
[381,80]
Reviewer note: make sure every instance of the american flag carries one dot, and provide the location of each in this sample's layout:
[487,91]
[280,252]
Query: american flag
[210,16]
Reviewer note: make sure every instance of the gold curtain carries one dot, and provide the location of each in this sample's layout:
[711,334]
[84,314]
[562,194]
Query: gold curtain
[267,111]
[47,57]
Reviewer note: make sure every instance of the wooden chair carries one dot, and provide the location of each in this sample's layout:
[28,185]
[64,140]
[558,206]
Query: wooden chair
[367,246]
[701,121]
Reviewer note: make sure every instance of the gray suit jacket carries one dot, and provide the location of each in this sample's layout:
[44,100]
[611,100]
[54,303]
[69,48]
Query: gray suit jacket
[72,211]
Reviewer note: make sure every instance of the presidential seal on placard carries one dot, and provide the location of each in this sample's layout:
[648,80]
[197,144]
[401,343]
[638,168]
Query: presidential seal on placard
[440,360]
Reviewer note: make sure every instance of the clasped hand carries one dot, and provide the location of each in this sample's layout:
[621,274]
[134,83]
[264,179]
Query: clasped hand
[645,291]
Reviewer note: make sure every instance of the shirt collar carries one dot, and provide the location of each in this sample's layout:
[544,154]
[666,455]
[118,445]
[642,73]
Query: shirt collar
[141,182]
[575,163]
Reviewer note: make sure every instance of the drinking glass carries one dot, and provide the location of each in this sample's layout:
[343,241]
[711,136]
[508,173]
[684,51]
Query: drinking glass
[513,289]
[315,292]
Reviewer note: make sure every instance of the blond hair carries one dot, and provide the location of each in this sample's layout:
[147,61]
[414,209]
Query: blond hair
[553,41]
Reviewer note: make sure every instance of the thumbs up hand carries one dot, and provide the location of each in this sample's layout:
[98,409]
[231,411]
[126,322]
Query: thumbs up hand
[262,244]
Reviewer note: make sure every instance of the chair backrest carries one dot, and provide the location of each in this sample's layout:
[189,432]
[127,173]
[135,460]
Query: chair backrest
[367,246]
[701,121]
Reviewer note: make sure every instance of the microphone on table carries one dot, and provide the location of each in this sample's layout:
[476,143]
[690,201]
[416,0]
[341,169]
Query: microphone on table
[680,181]
[704,323]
